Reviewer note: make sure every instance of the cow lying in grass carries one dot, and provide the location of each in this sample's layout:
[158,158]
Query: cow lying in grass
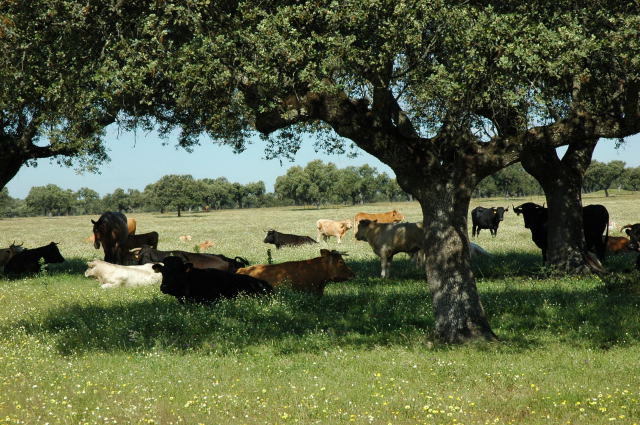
[189,284]
[28,260]
[138,241]
[117,276]
[7,253]
[286,239]
[633,230]
[305,275]
[146,254]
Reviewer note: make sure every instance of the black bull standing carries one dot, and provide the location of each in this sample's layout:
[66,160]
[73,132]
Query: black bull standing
[111,231]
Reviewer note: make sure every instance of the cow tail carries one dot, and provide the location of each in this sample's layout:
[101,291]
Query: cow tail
[243,262]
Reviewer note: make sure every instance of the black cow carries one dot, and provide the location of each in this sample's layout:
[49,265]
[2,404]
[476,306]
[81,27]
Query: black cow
[487,218]
[28,261]
[633,230]
[595,220]
[137,241]
[111,230]
[285,239]
[146,254]
[190,284]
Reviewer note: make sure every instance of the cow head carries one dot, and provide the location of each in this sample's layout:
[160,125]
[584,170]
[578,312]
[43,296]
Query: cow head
[96,234]
[52,254]
[271,237]
[336,267]
[347,224]
[633,230]
[174,272]
[363,225]
[500,212]
[397,215]
[534,215]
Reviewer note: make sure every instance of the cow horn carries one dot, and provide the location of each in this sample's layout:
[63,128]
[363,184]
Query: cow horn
[627,226]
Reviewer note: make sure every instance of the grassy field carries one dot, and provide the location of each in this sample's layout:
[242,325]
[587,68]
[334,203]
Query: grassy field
[72,353]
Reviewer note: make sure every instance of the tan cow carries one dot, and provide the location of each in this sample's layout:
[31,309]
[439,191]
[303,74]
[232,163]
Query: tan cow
[393,216]
[204,245]
[305,275]
[328,228]
[387,239]
[131,225]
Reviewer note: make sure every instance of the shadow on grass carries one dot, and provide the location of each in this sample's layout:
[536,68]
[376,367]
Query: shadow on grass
[365,312]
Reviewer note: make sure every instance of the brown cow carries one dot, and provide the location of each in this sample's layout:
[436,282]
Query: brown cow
[131,226]
[392,216]
[7,253]
[328,228]
[204,245]
[305,275]
[617,244]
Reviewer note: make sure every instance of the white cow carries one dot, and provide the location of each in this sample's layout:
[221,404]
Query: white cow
[114,275]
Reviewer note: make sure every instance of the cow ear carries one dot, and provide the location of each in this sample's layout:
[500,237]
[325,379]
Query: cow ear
[93,222]
[628,231]
[325,252]
[157,268]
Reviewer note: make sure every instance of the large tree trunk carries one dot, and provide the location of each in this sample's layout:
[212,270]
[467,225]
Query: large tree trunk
[561,180]
[459,315]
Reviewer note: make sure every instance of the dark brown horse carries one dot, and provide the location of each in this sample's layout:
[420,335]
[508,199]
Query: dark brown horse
[111,230]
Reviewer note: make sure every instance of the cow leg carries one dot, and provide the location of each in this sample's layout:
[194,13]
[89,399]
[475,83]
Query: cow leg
[473,231]
[385,263]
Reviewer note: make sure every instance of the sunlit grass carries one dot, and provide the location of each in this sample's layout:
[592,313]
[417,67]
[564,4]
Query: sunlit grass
[364,353]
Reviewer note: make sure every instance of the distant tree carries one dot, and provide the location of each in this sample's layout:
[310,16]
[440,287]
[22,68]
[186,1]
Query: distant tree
[600,176]
[255,194]
[176,191]
[88,201]
[6,202]
[631,179]
[218,193]
[346,187]
[50,200]
[293,185]
[119,200]
[322,178]
[390,189]
[368,182]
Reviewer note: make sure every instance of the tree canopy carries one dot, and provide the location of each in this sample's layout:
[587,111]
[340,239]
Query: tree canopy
[445,93]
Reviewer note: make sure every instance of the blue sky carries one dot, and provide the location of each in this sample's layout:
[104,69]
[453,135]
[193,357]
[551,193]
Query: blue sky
[139,159]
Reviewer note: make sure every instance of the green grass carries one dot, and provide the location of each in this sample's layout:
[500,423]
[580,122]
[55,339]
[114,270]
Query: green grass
[72,353]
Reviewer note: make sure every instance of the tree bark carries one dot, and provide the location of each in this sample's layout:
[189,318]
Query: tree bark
[459,315]
[561,180]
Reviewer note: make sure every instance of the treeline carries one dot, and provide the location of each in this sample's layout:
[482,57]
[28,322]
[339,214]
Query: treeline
[514,181]
[315,184]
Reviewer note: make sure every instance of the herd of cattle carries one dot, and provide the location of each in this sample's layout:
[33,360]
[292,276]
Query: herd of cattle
[132,259]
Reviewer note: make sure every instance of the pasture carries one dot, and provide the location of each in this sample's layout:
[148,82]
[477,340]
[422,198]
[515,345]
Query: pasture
[73,353]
